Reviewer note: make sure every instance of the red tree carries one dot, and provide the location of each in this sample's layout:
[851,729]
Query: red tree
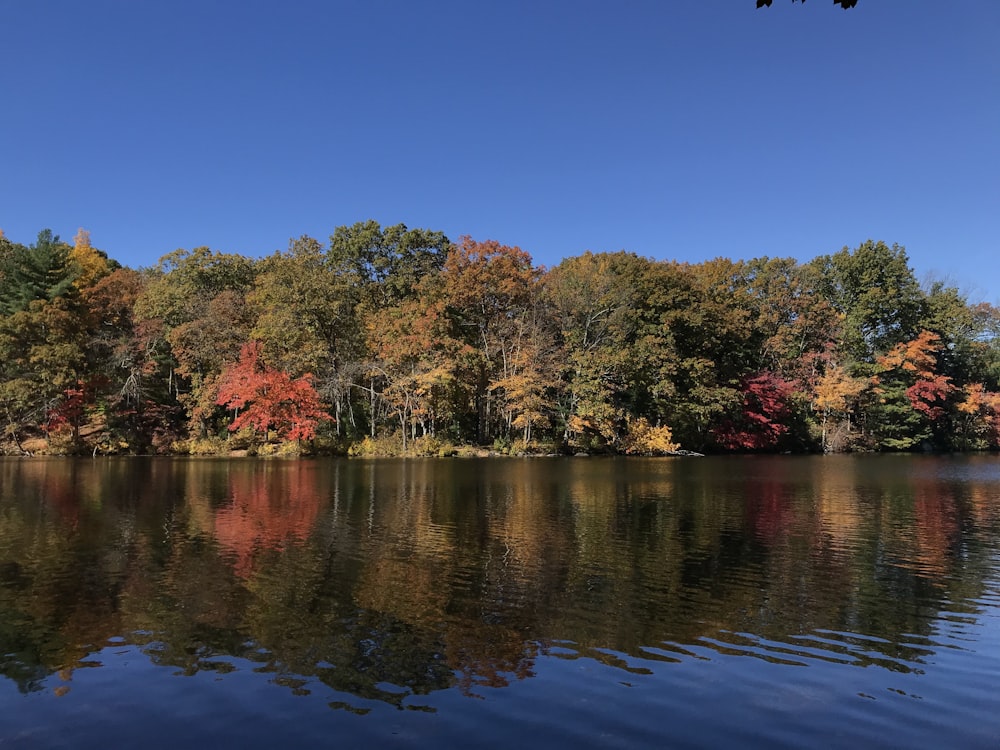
[265,398]
[763,418]
[69,410]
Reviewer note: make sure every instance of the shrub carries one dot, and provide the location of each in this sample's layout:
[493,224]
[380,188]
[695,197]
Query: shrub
[643,439]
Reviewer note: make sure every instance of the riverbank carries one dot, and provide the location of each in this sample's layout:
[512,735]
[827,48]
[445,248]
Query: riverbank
[93,443]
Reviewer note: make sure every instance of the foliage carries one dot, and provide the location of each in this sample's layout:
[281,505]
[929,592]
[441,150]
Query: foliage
[874,290]
[836,394]
[763,415]
[90,263]
[489,290]
[397,341]
[978,424]
[644,439]
[386,264]
[913,396]
[264,398]
[42,272]
[595,301]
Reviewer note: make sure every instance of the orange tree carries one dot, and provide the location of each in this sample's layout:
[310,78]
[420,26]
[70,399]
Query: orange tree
[264,398]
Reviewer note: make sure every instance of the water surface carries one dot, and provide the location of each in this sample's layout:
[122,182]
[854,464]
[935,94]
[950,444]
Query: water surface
[718,602]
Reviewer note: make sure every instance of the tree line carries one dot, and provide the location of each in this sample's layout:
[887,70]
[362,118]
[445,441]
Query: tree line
[397,340]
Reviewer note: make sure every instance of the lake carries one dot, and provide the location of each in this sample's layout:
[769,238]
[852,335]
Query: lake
[838,601]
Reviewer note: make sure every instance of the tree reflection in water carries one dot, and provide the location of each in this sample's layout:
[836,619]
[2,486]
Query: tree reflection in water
[389,580]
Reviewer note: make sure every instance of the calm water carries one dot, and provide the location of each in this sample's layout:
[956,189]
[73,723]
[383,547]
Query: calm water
[769,602]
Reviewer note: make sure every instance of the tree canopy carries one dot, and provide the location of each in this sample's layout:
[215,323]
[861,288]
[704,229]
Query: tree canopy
[397,339]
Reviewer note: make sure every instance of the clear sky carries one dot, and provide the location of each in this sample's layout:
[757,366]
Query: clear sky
[677,129]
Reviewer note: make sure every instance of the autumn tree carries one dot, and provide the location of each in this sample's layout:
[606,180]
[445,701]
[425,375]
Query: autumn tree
[912,397]
[489,289]
[643,439]
[263,398]
[978,420]
[45,327]
[195,301]
[397,330]
[129,365]
[378,268]
[835,395]
[763,417]
[306,319]
[419,365]
[203,347]
[527,391]
[41,356]
[90,263]
[42,331]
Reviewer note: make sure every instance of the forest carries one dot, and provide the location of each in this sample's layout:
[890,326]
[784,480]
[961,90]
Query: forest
[397,341]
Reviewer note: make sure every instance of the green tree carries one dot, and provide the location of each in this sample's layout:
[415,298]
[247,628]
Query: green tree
[986,337]
[705,315]
[43,271]
[791,324]
[7,250]
[41,356]
[183,282]
[42,331]
[874,290]
[964,333]
[597,304]
[386,264]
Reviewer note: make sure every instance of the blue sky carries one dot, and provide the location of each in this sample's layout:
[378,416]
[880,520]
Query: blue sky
[677,129]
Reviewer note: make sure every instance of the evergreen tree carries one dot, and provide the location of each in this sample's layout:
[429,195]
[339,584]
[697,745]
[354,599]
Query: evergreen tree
[43,271]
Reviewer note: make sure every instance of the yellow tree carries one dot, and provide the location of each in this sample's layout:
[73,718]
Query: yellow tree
[417,361]
[91,263]
[979,424]
[524,390]
[836,393]
[644,439]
